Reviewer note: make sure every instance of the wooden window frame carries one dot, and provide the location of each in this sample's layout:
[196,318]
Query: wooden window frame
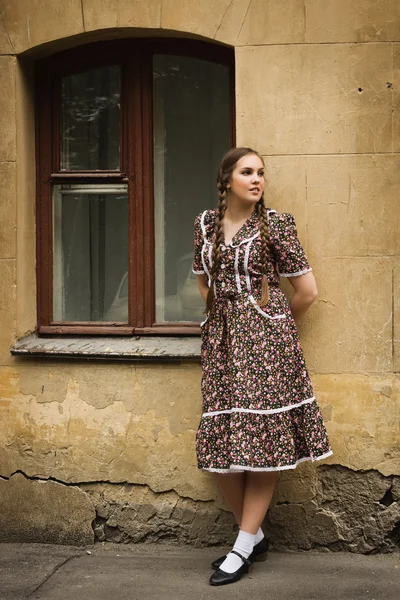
[135,56]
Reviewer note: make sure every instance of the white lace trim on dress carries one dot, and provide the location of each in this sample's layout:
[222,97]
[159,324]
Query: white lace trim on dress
[296,274]
[237,276]
[210,263]
[203,227]
[198,272]
[239,468]
[246,265]
[203,260]
[269,411]
[263,313]
[205,321]
[250,239]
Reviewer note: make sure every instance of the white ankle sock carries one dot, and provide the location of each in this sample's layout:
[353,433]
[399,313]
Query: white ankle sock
[244,545]
[259,536]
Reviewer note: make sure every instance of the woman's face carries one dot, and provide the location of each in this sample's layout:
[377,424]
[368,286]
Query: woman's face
[247,180]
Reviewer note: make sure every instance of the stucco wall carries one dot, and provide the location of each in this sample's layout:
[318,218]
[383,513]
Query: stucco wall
[317,93]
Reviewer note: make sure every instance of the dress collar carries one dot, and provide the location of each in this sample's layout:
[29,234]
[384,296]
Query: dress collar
[248,231]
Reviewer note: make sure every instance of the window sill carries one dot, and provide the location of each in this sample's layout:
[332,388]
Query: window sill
[109,348]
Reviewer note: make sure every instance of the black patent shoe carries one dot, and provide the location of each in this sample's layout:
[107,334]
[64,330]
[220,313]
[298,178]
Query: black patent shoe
[220,577]
[260,552]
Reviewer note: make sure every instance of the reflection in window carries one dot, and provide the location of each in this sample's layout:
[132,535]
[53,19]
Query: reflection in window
[90,120]
[90,253]
[191,108]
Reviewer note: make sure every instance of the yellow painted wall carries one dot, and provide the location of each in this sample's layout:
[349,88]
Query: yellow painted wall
[317,93]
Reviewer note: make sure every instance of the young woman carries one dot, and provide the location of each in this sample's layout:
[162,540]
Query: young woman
[260,415]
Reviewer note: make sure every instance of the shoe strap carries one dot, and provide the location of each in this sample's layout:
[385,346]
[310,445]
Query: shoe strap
[244,559]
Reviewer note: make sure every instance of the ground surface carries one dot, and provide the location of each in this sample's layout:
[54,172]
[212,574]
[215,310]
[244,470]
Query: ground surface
[158,572]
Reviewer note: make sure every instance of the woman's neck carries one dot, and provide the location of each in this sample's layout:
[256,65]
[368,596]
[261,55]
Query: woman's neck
[237,211]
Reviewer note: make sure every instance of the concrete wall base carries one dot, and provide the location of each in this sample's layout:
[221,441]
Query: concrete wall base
[346,510]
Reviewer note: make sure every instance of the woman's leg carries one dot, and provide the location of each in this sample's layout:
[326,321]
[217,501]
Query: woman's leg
[248,495]
[232,486]
[249,499]
[258,493]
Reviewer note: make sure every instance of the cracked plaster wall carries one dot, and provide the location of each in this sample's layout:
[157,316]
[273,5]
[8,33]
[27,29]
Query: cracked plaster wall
[317,92]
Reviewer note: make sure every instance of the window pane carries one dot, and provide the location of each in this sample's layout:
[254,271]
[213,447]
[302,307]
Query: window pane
[90,120]
[90,253]
[191,105]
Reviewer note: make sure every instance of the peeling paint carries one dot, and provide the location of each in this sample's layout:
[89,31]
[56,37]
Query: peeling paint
[357,512]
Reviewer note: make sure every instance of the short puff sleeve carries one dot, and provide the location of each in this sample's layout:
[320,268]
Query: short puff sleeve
[198,267]
[289,254]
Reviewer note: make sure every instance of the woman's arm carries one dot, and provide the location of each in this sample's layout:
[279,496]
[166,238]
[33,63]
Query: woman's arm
[305,292]
[202,284]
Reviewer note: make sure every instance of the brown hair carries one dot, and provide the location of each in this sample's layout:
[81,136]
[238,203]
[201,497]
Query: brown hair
[225,171]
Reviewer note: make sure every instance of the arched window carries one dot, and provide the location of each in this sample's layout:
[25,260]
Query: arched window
[129,138]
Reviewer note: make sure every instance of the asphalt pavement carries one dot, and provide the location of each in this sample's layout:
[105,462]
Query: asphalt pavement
[166,572]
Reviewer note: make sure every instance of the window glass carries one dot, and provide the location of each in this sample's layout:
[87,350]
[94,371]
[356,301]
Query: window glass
[90,253]
[191,108]
[90,120]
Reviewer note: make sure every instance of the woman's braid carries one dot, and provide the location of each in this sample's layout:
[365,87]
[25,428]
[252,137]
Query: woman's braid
[219,235]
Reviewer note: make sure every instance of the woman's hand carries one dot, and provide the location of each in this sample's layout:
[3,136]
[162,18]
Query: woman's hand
[305,292]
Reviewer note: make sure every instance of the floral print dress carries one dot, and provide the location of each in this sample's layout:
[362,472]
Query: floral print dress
[259,410]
